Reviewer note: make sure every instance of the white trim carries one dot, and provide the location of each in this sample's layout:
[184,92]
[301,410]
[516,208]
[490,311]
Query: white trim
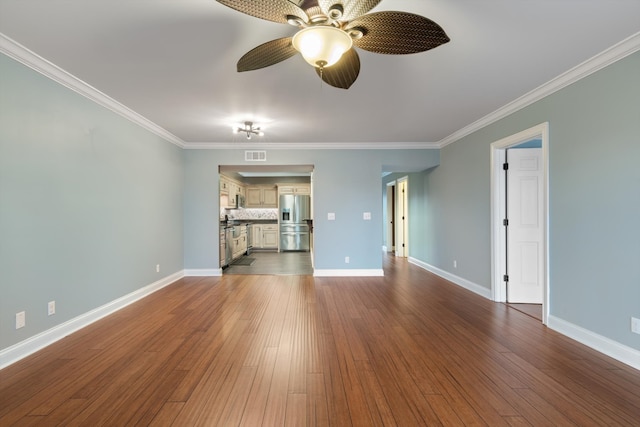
[402,227]
[615,53]
[37,63]
[311,145]
[498,249]
[614,349]
[349,273]
[456,280]
[204,272]
[37,342]
[607,57]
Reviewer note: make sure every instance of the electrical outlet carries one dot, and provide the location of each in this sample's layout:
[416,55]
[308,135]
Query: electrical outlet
[346,260]
[366,216]
[635,325]
[51,308]
[157,268]
[21,320]
[331,216]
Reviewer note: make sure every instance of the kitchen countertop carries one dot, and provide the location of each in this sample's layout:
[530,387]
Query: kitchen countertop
[236,222]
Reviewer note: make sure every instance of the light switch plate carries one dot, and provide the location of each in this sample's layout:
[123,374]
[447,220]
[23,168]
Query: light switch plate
[366,216]
[331,216]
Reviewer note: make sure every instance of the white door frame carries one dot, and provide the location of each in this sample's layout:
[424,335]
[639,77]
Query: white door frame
[498,196]
[390,226]
[402,225]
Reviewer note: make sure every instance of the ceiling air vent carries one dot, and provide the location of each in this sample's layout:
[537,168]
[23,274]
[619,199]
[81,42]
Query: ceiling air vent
[255,156]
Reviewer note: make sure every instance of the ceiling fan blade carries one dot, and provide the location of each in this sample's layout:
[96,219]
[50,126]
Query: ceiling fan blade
[397,33]
[271,10]
[343,73]
[351,8]
[267,54]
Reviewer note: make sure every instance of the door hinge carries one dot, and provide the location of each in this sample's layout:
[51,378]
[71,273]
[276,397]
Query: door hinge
[505,166]
[505,222]
[505,277]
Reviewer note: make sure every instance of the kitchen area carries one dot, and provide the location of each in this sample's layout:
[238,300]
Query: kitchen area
[266,224]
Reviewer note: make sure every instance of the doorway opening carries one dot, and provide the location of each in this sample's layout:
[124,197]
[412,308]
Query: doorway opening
[266,219]
[527,258]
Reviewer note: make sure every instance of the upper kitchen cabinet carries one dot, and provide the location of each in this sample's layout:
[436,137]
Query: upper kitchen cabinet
[294,189]
[228,191]
[262,197]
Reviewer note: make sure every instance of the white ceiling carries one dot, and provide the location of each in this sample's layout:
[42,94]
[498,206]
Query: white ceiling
[174,62]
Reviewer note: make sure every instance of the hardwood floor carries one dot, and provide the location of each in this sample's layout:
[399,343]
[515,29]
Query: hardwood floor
[406,349]
[533,310]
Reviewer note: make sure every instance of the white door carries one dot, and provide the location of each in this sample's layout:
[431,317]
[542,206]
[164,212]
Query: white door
[525,228]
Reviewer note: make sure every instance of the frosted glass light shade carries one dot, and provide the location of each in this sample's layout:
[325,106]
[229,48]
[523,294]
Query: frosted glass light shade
[321,46]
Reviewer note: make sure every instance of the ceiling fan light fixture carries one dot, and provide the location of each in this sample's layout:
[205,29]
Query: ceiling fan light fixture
[321,46]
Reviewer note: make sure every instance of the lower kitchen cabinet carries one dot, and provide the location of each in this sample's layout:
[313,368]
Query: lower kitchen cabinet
[265,236]
[239,244]
[223,249]
[270,236]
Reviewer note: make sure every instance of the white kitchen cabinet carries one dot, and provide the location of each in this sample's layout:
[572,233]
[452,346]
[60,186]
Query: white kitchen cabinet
[294,189]
[228,191]
[265,236]
[223,249]
[239,244]
[262,197]
[270,236]
[256,237]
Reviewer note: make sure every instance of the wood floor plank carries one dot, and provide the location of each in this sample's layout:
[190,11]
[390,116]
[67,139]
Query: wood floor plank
[405,349]
[296,413]
[317,413]
[259,391]
[166,416]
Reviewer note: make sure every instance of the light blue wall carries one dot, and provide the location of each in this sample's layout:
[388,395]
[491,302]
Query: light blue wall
[594,199]
[345,182]
[89,204]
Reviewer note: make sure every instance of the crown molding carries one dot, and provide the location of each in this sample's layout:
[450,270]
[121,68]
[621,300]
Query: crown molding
[16,51]
[310,145]
[30,59]
[613,54]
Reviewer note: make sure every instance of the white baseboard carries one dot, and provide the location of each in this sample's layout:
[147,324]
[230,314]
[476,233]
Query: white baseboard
[204,272]
[614,349]
[464,283]
[37,342]
[348,273]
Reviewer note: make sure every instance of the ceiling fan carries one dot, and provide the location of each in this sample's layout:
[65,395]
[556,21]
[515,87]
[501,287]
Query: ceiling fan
[330,29]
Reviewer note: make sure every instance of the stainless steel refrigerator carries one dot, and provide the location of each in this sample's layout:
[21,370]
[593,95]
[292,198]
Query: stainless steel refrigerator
[294,230]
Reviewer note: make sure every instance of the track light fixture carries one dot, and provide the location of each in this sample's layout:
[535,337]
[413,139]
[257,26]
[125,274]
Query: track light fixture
[248,129]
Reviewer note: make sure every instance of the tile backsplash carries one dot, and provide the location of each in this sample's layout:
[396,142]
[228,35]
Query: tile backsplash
[257,214]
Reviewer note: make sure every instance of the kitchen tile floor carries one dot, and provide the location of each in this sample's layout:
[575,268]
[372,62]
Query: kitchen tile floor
[278,263]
